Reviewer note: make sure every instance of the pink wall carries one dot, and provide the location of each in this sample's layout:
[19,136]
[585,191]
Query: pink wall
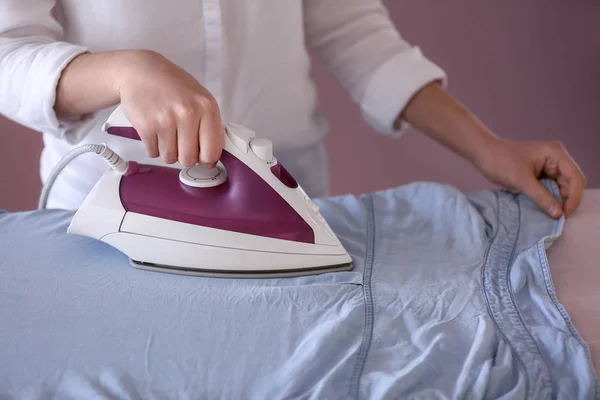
[528,69]
[19,179]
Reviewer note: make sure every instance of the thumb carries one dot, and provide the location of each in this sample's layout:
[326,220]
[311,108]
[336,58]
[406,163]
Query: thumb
[542,197]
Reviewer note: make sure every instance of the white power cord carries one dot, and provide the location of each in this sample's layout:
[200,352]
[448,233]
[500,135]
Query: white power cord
[112,158]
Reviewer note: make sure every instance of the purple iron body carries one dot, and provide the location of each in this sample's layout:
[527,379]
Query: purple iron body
[245,203]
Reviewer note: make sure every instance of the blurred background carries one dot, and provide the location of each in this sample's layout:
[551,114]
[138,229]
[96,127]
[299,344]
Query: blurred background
[528,69]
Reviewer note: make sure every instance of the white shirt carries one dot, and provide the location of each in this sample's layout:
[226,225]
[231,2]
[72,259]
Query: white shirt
[252,55]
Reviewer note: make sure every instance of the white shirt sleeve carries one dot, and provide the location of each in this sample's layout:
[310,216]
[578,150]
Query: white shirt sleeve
[360,45]
[32,58]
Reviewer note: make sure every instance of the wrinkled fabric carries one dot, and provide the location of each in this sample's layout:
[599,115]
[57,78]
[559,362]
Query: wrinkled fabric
[450,298]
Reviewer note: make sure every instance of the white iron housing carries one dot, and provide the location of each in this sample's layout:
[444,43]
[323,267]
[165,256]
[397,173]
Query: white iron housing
[156,243]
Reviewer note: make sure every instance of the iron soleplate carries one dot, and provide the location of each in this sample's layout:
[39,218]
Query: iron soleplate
[239,274]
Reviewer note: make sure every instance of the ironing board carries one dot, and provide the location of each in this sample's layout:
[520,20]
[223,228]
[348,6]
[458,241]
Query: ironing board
[576,270]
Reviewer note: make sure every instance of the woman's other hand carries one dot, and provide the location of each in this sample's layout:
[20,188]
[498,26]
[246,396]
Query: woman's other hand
[519,165]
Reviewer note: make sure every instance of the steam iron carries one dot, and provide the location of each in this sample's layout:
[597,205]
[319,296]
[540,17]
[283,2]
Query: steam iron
[247,217]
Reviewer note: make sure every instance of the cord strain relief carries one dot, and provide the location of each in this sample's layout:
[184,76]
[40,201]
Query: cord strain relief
[114,160]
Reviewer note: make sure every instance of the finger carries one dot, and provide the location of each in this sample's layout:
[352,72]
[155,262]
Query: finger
[569,177]
[563,187]
[550,167]
[572,183]
[149,139]
[167,146]
[188,142]
[150,142]
[211,137]
[533,189]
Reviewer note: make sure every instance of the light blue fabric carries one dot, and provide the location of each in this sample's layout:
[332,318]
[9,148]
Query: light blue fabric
[450,298]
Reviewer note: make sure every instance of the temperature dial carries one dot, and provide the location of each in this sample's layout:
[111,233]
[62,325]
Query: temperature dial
[203,176]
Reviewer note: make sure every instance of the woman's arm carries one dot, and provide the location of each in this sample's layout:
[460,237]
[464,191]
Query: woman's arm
[360,45]
[176,117]
[31,60]
[50,85]
[437,114]
[513,165]
[388,77]
[89,83]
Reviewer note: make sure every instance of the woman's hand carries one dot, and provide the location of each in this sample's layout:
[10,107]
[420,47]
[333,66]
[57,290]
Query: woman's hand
[513,165]
[519,165]
[176,117]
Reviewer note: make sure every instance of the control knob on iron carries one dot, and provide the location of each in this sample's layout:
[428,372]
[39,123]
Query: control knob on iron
[263,149]
[202,176]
